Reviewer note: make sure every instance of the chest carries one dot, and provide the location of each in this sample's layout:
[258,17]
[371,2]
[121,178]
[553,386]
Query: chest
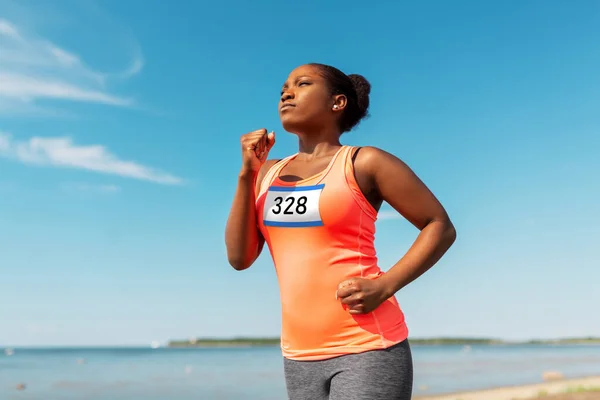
[326,204]
[296,171]
[299,170]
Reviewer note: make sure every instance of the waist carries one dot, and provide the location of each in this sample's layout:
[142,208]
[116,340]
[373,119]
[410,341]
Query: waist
[306,284]
[316,325]
[329,330]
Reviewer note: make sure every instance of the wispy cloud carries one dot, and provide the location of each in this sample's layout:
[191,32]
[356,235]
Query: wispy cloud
[8,30]
[33,68]
[86,187]
[62,152]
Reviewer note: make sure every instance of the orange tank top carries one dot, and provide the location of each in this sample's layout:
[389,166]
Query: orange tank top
[320,231]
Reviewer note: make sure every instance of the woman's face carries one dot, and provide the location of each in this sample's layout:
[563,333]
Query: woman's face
[306,101]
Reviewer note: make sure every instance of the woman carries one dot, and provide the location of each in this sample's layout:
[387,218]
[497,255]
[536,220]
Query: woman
[343,332]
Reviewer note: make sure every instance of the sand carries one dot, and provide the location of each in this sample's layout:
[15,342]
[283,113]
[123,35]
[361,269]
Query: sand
[574,396]
[567,389]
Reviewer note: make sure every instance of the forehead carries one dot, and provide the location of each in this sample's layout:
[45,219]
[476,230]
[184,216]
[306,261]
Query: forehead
[303,71]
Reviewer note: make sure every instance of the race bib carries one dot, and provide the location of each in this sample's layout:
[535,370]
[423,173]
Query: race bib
[293,207]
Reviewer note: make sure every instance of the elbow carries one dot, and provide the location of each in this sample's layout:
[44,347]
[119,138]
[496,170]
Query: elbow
[238,263]
[445,232]
[450,233]
[236,257]
[240,257]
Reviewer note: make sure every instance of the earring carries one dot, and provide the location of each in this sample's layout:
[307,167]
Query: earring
[335,107]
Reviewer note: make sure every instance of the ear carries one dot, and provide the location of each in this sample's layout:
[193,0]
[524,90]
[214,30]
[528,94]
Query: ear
[339,103]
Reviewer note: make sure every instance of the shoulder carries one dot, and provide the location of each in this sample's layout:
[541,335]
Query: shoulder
[267,166]
[263,171]
[370,158]
[367,153]
[378,166]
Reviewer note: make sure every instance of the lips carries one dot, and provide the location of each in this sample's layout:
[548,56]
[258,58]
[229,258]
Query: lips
[285,106]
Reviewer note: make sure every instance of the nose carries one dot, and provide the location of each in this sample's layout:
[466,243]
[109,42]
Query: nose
[287,95]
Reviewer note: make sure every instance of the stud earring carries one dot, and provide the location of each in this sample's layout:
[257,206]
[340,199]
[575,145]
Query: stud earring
[335,107]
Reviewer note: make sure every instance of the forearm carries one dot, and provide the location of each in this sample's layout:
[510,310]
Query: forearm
[431,244]
[241,234]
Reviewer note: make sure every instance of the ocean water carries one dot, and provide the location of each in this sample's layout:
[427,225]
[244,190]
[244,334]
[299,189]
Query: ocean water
[256,373]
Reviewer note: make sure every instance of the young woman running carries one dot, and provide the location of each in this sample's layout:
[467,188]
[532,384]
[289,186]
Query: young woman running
[343,332]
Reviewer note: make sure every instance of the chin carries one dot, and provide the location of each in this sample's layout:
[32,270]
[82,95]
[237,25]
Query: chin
[292,125]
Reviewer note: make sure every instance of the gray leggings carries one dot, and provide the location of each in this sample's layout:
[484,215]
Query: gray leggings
[385,374]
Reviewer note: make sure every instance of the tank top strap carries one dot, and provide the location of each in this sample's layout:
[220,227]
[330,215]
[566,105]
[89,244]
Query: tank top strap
[349,174]
[345,157]
[272,173]
[335,165]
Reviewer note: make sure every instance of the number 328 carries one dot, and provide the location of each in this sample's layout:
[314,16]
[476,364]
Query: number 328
[290,205]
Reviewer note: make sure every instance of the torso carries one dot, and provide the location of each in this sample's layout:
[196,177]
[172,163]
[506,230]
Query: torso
[296,171]
[319,226]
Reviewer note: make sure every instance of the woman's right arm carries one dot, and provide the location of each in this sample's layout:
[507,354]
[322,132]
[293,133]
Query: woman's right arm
[243,240]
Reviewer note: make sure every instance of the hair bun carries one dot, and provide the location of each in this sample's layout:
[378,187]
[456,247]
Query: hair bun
[363,89]
[356,89]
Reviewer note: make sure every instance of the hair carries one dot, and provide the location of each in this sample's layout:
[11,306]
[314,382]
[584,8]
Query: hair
[355,87]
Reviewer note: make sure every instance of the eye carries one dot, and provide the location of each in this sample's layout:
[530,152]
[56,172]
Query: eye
[303,83]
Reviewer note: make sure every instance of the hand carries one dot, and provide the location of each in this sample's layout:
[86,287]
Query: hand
[361,296]
[255,149]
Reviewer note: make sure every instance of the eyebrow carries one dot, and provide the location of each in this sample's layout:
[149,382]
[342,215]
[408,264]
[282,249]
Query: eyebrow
[285,85]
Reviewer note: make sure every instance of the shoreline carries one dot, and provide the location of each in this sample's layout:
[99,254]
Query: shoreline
[221,342]
[225,344]
[574,386]
[439,341]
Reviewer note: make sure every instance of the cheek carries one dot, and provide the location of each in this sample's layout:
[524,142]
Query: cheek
[315,102]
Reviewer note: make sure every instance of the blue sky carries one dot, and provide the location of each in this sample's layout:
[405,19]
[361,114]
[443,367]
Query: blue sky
[119,132]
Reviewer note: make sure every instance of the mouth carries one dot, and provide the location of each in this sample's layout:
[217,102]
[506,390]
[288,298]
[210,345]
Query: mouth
[285,106]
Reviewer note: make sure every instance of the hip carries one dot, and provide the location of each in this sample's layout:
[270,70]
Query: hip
[332,331]
[379,374]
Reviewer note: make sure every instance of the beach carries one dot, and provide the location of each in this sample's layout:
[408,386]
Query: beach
[568,389]
[441,372]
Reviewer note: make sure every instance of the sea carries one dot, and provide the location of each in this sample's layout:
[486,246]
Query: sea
[257,372]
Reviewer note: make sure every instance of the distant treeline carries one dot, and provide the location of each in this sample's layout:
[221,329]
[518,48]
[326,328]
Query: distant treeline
[453,340]
[274,341]
[584,340]
[216,342]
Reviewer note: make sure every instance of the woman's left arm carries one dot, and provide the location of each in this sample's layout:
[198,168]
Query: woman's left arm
[388,179]
[400,187]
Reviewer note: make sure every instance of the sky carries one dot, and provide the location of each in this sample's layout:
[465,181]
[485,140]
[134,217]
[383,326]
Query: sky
[119,152]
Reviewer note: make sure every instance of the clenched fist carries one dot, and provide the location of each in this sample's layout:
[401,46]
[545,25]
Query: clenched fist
[255,149]
[361,296]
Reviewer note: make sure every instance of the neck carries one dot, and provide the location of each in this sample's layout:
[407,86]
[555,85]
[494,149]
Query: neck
[317,144]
